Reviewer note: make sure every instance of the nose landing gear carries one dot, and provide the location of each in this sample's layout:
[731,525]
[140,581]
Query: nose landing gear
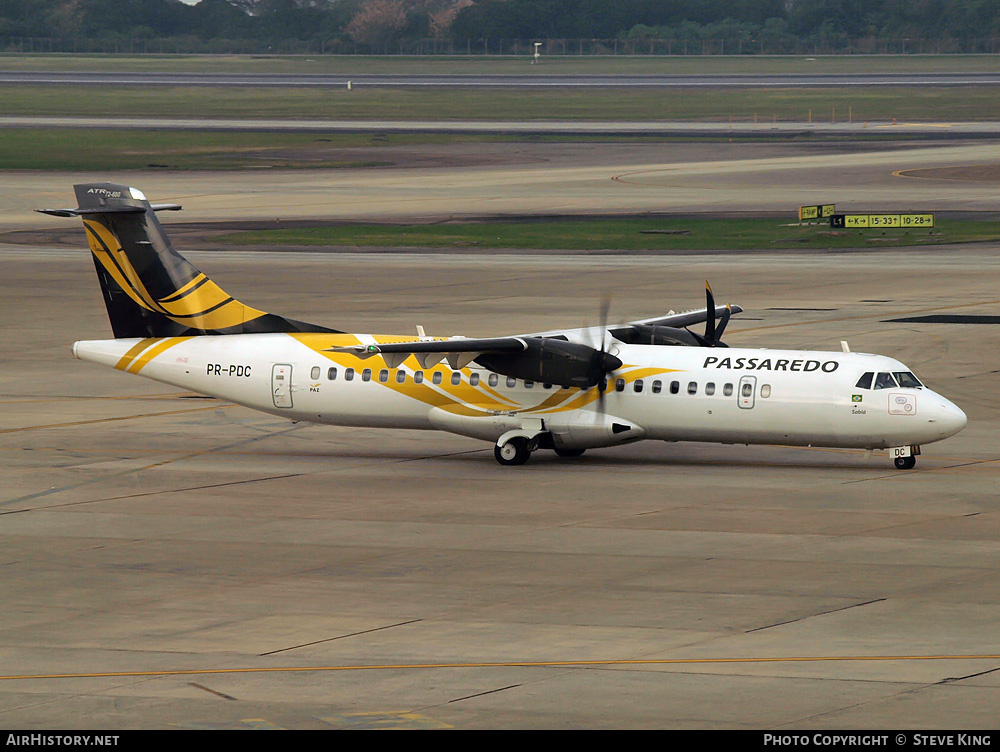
[905,457]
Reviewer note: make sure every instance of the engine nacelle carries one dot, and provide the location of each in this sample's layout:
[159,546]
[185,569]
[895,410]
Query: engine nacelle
[553,361]
[641,334]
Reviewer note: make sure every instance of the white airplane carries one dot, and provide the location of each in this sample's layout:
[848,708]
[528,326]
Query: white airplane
[566,390]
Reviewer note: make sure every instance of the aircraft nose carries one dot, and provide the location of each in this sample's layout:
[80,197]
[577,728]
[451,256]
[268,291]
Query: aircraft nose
[951,418]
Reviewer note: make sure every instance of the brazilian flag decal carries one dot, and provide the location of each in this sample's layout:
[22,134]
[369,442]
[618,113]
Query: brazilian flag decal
[856,397]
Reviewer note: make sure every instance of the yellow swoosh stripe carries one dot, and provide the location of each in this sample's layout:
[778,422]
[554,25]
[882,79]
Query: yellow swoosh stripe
[463,398]
[163,345]
[137,348]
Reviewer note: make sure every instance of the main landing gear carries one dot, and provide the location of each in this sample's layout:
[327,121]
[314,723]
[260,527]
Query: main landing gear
[517,449]
[906,463]
[514,451]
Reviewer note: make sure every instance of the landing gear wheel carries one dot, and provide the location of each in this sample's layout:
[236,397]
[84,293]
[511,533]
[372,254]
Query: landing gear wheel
[906,463]
[514,452]
[563,452]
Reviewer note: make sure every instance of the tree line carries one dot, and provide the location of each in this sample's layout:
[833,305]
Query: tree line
[624,26]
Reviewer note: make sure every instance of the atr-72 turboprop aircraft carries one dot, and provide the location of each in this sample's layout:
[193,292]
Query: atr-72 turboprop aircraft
[562,390]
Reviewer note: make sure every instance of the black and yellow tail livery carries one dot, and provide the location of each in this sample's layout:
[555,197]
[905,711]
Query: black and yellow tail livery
[150,289]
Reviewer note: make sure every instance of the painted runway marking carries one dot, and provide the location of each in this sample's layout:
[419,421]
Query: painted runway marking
[508,664]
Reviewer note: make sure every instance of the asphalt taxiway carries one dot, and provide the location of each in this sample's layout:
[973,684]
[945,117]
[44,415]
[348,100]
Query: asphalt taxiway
[171,561]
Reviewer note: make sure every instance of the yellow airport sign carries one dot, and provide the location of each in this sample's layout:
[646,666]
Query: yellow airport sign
[882,220]
[820,211]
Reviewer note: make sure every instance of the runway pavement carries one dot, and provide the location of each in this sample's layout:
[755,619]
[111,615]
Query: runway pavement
[534,79]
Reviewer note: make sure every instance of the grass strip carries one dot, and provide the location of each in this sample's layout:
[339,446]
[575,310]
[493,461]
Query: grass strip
[860,104]
[672,234]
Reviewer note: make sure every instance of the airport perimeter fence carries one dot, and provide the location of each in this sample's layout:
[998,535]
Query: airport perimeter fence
[631,47]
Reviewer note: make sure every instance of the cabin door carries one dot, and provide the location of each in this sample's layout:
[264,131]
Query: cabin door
[747,392]
[281,385]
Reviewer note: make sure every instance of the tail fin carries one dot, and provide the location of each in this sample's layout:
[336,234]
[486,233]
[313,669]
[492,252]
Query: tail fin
[150,289]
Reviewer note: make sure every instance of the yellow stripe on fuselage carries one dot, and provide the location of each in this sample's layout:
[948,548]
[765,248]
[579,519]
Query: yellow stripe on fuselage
[160,346]
[137,348]
[462,398]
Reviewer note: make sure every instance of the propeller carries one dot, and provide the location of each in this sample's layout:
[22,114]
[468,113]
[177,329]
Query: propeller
[604,360]
[713,333]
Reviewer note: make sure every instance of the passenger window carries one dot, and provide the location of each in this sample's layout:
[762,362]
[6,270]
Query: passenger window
[314,373]
[383,375]
[474,379]
[619,385]
[493,380]
[675,386]
[528,384]
[727,390]
[710,388]
[765,391]
[511,382]
[692,387]
[418,377]
[907,380]
[436,378]
[349,374]
[366,375]
[400,377]
[865,382]
[637,386]
[656,387]
[331,374]
[546,386]
[747,390]
[456,378]
[885,381]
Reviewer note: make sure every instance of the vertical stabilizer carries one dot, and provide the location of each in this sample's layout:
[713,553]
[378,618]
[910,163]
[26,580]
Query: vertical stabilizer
[151,290]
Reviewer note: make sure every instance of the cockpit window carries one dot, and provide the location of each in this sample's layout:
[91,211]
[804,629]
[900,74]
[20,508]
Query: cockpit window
[885,381]
[865,382]
[907,380]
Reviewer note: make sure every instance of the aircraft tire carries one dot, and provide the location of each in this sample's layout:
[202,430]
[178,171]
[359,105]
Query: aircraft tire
[563,452]
[514,452]
[906,463]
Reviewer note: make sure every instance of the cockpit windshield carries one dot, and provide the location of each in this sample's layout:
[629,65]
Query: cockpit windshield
[884,380]
[887,380]
[907,380]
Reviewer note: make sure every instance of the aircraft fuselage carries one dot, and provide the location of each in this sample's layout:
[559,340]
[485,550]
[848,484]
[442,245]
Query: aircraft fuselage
[730,395]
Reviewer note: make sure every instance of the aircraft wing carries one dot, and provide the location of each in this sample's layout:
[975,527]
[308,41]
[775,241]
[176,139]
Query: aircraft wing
[460,351]
[552,360]
[686,318]
[667,324]
[576,357]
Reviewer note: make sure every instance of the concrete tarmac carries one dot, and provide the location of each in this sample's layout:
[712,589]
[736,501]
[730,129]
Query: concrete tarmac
[172,561]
